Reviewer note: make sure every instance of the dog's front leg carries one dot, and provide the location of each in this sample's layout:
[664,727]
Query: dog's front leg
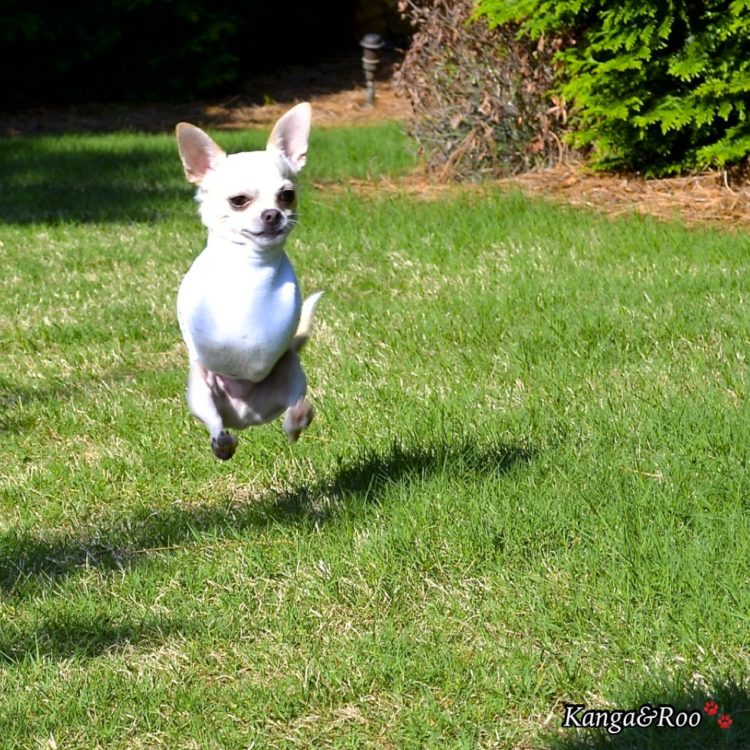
[202,404]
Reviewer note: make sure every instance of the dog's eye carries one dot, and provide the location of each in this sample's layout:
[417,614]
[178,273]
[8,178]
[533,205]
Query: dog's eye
[286,196]
[239,201]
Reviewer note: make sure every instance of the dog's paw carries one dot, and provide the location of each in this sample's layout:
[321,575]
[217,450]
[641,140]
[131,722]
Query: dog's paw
[298,418]
[224,445]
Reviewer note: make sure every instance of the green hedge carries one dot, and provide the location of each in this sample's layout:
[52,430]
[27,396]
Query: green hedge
[658,86]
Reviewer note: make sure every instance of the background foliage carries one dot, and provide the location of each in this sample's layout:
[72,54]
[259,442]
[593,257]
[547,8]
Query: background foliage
[658,86]
[136,50]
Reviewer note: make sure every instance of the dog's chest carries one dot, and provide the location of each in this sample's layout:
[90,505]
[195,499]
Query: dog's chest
[239,317]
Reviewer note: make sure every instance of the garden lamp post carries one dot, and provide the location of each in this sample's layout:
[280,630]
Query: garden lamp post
[370,44]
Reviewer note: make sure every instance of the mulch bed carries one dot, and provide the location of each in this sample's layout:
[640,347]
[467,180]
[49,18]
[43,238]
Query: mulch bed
[697,200]
[708,198]
[335,108]
[336,90]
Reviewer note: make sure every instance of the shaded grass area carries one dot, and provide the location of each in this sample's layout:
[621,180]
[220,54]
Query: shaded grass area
[128,177]
[527,484]
[357,483]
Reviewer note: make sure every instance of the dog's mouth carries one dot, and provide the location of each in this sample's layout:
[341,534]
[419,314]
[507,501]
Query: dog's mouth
[266,234]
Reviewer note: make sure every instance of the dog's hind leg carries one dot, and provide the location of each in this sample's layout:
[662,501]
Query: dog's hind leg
[202,403]
[283,390]
[299,411]
[298,418]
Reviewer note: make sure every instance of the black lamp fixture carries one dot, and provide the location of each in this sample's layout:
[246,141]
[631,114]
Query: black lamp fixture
[371,45]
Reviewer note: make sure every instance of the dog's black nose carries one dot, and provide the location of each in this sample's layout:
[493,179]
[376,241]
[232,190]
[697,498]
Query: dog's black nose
[271,218]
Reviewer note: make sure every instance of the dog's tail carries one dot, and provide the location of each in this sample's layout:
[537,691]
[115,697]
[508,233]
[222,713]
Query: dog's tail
[304,329]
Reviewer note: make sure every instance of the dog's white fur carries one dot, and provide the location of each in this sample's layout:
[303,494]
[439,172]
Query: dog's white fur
[239,306]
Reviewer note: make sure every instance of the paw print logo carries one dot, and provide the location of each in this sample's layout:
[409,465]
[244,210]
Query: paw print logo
[724,721]
[711,708]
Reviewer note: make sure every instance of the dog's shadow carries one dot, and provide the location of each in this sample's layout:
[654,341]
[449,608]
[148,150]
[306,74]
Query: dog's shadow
[27,557]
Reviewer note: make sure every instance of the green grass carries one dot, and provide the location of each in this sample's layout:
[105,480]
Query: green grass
[527,483]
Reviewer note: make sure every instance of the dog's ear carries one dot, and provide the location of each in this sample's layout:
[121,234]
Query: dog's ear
[198,152]
[291,133]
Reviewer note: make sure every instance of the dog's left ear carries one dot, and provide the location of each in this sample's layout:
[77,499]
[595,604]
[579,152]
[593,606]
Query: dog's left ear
[198,152]
[291,133]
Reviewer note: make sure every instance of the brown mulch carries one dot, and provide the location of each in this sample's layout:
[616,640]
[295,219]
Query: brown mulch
[708,198]
[335,88]
[702,199]
[334,108]
[337,108]
[338,98]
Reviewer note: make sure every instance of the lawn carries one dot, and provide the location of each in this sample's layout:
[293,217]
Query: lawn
[527,483]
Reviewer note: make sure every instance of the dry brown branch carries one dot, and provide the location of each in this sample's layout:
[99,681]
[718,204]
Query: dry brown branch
[479,97]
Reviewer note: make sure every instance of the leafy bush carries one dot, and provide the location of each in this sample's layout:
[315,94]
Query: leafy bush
[137,50]
[479,96]
[658,86]
[126,49]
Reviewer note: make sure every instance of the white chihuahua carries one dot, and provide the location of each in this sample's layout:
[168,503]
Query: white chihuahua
[239,306]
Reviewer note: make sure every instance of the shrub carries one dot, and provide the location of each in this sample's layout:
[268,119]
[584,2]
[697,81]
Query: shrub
[479,96]
[136,50]
[658,86]
[123,50]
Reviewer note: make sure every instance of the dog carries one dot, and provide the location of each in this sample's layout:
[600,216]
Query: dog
[239,306]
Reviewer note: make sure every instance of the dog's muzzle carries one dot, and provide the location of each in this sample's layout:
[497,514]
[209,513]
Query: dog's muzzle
[272,226]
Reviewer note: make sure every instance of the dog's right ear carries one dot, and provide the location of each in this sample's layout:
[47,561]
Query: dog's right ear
[291,133]
[198,152]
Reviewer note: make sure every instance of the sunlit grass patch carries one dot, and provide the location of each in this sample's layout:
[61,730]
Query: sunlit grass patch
[527,482]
